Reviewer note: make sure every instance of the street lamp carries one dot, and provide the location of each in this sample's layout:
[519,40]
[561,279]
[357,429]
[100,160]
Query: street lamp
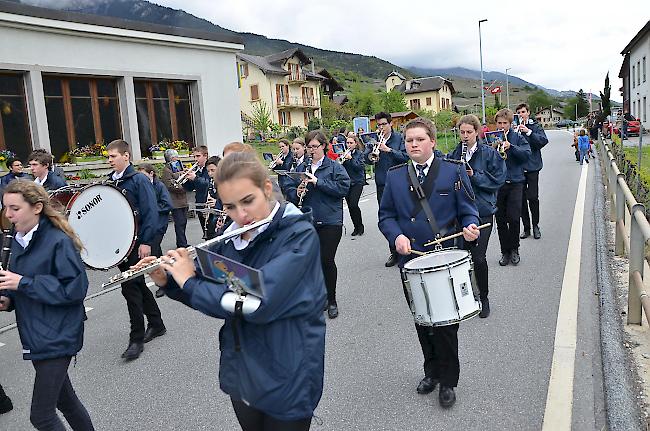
[480,48]
[507,88]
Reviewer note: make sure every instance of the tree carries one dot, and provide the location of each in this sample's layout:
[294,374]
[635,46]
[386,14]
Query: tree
[570,108]
[583,105]
[445,119]
[364,101]
[393,101]
[261,117]
[540,99]
[604,100]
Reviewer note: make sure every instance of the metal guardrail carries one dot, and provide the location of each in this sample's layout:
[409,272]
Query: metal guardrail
[630,240]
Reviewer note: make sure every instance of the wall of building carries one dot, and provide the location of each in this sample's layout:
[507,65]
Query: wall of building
[640,89]
[36,46]
[392,82]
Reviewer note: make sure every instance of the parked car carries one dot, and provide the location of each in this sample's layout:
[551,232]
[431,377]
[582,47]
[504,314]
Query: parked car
[633,128]
[565,123]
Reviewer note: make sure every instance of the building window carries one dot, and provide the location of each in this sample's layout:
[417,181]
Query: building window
[638,73]
[285,118]
[282,94]
[308,115]
[428,101]
[255,92]
[243,70]
[633,80]
[164,113]
[643,69]
[308,96]
[644,109]
[80,112]
[415,104]
[14,121]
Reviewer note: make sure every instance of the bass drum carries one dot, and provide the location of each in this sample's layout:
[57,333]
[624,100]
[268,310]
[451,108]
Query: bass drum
[106,224]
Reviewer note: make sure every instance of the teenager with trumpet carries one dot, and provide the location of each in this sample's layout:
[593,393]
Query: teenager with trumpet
[325,185]
[487,173]
[352,161]
[199,181]
[263,398]
[392,152]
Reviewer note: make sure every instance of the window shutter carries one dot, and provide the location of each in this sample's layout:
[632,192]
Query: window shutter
[277,93]
[245,70]
[255,93]
[289,118]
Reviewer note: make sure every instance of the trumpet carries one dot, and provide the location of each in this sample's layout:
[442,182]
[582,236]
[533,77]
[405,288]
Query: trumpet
[374,154]
[342,157]
[137,272]
[499,147]
[182,179]
[274,163]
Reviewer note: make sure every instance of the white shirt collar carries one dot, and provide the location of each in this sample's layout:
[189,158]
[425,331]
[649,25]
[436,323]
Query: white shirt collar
[471,151]
[118,175]
[39,181]
[26,238]
[240,243]
[428,163]
[315,166]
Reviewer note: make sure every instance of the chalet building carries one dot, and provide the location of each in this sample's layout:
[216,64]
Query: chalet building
[547,117]
[634,72]
[432,94]
[69,80]
[285,83]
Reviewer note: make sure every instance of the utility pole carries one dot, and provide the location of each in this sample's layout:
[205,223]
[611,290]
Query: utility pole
[480,48]
[507,88]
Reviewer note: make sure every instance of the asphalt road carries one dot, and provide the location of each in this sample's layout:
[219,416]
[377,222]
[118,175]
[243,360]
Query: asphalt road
[373,359]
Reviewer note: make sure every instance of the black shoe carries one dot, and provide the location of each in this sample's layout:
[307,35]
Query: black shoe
[514,257]
[160,292]
[152,333]
[332,310]
[525,234]
[360,231]
[587,159]
[355,232]
[392,260]
[5,402]
[427,385]
[133,351]
[505,259]
[536,232]
[485,308]
[447,397]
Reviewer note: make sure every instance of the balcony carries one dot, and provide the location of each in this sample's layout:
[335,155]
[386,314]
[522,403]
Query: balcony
[297,78]
[298,102]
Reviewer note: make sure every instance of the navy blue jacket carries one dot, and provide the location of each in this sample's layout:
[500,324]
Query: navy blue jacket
[5,180]
[489,174]
[49,300]
[164,200]
[356,168]
[285,166]
[279,369]
[325,198]
[537,140]
[53,181]
[142,196]
[388,159]
[199,185]
[400,213]
[518,155]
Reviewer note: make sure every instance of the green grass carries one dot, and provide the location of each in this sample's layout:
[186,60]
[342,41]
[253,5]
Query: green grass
[632,154]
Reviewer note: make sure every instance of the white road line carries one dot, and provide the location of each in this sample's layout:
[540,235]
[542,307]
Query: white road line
[559,399]
[89,308]
[2,344]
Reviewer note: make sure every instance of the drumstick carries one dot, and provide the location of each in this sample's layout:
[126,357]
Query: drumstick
[456,235]
[420,253]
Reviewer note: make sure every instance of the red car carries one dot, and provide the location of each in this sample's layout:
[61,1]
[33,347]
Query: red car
[633,128]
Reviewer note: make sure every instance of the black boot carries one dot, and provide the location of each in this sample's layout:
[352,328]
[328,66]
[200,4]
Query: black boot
[5,402]
[485,308]
[505,259]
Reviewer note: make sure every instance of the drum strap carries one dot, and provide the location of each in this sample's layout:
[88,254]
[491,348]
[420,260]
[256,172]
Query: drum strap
[235,331]
[422,197]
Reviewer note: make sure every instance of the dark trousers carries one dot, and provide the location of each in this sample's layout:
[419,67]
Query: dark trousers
[440,349]
[352,200]
[251,419]
[53,390]
[479,258]
[329,237]
[179,215]
[201,217]
[508,214]
[380,193]
[156,246]
[139,301]
[530,198]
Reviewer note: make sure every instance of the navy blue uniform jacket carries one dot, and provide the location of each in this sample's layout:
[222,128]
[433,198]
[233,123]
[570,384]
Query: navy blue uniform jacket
[537,140]
[325,198]
[285,166]
[53,181]
[279,369]
[388,159]
[489,175]
[142,196]
[164,200]
[200,185]
[518,155]
[49,300]
[5,180]
[356,168]
[453,207]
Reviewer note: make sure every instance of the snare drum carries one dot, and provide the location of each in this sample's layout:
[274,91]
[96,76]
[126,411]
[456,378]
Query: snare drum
[440,288]
[106,224]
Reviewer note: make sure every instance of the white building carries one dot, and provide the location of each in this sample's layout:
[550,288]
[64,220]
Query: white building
[69,79]
[636,85]
[546,118]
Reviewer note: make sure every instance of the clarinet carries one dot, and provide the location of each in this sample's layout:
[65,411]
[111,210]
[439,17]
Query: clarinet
[5,253]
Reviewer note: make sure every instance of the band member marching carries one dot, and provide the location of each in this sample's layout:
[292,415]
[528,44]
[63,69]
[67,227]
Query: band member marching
[537,139]
[352,161]
[256,341]
[171,171]
[199,181]
[139,299]
[282,161]
[391,153]
[215,220]
[46,284]
[404,224]
[40,162]
[487,173]
[323,190]
[510,195]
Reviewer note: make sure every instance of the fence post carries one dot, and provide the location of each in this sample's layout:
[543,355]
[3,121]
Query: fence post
[613,187]
[619,248]
[637,255]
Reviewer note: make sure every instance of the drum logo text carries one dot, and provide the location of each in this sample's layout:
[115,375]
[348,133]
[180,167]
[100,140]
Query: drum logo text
[86,208]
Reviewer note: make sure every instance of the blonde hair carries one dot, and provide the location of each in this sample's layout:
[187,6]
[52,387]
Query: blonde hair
[242,165]
[33,194]
[423,123]
[506,114]
[471,120]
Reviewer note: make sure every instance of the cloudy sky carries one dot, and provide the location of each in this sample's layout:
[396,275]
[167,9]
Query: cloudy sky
[565,45]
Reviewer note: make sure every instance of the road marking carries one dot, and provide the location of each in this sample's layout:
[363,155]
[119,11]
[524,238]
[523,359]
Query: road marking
[559,399]
[89,308]
[2,344]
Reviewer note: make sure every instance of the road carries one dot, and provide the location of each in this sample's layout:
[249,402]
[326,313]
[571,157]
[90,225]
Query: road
[373,359]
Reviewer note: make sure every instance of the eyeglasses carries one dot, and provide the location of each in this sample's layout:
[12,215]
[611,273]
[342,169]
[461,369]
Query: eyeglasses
[313,146]
[382,124]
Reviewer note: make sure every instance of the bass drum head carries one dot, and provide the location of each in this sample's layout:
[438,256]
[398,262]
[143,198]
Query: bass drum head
[105,222]
[437,259]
